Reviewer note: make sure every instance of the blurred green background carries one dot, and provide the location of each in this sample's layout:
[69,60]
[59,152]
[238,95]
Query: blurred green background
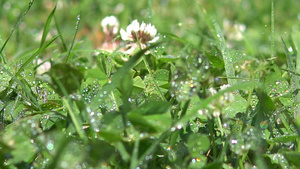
[246,23]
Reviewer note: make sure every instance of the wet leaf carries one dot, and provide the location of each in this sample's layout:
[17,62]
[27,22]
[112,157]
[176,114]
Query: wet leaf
[198,144]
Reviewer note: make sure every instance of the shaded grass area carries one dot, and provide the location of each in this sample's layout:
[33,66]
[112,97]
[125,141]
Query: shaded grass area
[219,89]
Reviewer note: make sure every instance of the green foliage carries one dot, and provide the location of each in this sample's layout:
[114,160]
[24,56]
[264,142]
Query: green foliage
[217,90]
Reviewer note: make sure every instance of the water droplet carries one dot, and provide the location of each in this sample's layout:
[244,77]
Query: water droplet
[50,145]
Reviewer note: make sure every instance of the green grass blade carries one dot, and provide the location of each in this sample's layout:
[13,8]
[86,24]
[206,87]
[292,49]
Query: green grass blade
[60,36]
[74,37]
[27,90]
[47,27]
[291,67]
[273,54]
[294,83]
[30,59]
[3,59]
[222,45]
[227,57]
[72,109]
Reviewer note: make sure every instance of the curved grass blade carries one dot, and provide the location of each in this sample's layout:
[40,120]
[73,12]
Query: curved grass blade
[60,36]
[47,27]
[26,89]
[2,57]
[222,45]
[28,61]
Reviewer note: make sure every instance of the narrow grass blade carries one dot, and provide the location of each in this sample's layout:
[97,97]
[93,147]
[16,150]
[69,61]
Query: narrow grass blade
[29,60]
[71,109]
[76,30]
[3,59]
[222,45]
[27,90]
[227,57]
[291,67]
[47,27]
[294,82]
[272,31]
[60,36]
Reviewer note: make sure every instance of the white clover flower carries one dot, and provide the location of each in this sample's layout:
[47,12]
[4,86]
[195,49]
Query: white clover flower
[139,35]
[110,25]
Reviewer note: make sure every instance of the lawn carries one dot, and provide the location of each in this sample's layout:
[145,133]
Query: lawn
[149,84]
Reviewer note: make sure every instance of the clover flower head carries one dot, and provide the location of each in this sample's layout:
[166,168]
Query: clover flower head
[136,32]
[139,35]
[110,25]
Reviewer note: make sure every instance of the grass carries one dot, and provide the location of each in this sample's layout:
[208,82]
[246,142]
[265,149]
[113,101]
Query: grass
[219,89]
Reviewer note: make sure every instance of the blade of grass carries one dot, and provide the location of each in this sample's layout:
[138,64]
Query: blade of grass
[272,31]
[294,86]
[222,45]
[71,109]
[27,90]
[30,59]
[47,26]
[2,57]
[227,56]
[60,36]
[74,37]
